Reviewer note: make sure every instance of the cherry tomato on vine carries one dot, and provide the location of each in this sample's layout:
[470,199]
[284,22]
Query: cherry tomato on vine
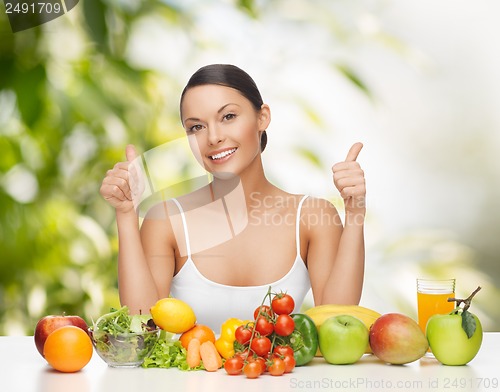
[263,326]
[284,325]
[259,359]
[262,310]
[243,334]
[289,363]
[244,355]
[282,303]
[252,369]
[234,365]
[283,350]
[277,366]
[261,346]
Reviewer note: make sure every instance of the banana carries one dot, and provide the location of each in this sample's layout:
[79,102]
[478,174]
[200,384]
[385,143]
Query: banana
[322,312]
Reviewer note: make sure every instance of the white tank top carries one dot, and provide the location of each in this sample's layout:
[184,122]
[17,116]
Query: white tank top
[213,303]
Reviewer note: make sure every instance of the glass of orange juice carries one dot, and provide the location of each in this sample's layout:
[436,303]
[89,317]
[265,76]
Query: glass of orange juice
[432,298]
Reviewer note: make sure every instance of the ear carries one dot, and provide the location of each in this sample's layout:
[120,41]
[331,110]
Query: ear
[264,117]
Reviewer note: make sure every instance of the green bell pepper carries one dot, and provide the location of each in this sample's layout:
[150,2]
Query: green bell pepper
[304,339]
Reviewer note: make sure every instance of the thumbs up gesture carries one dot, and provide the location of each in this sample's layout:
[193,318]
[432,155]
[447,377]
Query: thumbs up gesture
[123,185]
[349,179]
[130,152]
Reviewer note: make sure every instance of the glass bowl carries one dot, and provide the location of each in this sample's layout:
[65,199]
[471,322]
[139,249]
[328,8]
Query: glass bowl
[124,350]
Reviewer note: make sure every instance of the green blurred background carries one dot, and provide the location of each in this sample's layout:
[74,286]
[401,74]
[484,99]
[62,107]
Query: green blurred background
[417,82]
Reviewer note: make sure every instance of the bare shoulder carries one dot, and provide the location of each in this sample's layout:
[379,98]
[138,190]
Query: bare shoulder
[157,224]
[319,213]
[317,205]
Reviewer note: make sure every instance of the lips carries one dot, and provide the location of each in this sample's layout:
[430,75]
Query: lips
[223,154]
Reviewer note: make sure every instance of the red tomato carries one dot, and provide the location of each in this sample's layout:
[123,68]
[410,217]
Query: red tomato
[252,369]
[283,350]
[243,334]
[282,304]
[277,367]
[284,325]
[263,326]
[289,363]
[261,360]
[255,358]
[234,365]
[262,310]
[261,346]
[244,355]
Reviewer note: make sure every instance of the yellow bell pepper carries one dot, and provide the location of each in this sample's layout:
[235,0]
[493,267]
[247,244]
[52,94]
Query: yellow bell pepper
[225,342]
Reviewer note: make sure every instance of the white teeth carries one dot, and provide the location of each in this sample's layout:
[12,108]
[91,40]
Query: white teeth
[223,154]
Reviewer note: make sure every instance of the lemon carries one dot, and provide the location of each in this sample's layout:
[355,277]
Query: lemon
[173,315]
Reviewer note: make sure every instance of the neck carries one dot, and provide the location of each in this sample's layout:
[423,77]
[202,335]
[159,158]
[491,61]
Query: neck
[252,182]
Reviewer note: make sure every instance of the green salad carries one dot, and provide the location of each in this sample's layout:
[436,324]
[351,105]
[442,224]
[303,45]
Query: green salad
[121,338]
[167,353]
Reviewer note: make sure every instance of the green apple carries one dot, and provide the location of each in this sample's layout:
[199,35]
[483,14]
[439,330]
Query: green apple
[449,341]
[342,339]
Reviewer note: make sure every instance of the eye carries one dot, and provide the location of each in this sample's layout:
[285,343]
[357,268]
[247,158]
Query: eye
[229,116]
[195,128]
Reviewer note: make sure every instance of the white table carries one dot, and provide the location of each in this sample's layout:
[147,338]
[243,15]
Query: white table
[24,370]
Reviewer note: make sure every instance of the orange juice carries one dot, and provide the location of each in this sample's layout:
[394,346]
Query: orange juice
[432,303]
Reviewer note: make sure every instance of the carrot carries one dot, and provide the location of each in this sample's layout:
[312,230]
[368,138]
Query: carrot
[210,356]
[193,357]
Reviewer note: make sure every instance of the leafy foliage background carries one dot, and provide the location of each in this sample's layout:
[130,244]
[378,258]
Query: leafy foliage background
[71,98]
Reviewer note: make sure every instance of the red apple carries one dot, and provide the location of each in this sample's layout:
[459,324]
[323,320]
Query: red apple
[397,339]
[48,324]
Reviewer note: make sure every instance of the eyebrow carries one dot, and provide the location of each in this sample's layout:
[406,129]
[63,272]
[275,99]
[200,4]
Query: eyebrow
[225,106]
[218,111]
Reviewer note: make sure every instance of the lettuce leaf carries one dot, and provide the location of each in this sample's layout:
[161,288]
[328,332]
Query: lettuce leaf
[168,353]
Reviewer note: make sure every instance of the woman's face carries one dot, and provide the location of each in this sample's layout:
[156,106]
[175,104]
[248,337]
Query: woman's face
[223,127]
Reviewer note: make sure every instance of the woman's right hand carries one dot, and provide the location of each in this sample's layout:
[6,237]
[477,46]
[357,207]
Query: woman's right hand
[122,185]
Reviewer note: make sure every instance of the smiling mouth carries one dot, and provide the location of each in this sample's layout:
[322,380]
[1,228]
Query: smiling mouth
[222,154]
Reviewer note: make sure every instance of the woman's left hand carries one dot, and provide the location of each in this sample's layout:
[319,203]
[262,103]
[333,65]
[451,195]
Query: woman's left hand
[349,179]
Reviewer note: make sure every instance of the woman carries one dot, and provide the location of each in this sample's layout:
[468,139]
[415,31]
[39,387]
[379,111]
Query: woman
[286,241]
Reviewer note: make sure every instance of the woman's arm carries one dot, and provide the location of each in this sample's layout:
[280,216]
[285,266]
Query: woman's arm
[143,257]
[345,282]
[146,260]
[136,286]
[336,254]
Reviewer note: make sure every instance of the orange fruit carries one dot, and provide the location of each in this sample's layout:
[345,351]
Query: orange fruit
[68,349]
[200,332]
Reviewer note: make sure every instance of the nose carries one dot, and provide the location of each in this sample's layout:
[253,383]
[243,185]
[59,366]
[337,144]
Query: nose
[215,135]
